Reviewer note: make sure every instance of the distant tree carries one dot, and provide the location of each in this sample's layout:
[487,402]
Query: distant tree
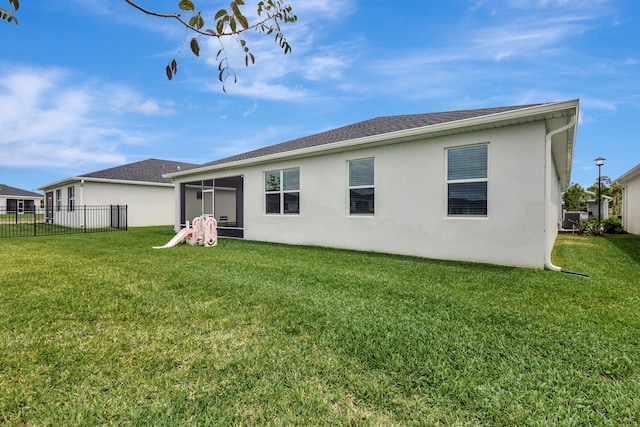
[6,15]
[574,198]
[615,191]
[611,189]
[226,25]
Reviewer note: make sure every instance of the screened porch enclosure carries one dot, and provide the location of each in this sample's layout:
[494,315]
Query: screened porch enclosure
[221,198]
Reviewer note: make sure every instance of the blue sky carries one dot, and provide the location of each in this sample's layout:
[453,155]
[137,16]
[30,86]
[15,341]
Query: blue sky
[83,86]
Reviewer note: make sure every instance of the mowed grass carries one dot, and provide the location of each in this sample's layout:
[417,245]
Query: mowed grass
[100,329]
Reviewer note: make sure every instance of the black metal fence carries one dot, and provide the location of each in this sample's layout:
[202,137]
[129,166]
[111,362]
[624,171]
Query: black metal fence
[53,220]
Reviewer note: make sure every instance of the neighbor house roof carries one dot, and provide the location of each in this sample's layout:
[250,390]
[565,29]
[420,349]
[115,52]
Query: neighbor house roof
[148,171]
[401,128]
[6,190]
[629,175]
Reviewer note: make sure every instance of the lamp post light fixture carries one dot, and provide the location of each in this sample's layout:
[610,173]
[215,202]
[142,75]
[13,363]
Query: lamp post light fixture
[599,162]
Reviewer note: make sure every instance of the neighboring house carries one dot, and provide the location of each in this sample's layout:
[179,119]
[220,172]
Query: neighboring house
[139,185]
[592,206]
[475,185]
[630,183]
[14,200]
[573,219]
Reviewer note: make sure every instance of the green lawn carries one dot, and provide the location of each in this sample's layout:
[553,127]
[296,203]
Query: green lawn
[28,216]
[102,329]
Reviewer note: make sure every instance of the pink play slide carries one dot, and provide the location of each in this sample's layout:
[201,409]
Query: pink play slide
[179,237]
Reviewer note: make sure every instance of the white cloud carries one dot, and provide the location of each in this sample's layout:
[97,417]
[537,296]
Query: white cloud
[325,68]
[51,119]
[125,100]
[323,8]
[522,38]
[264,90]
[274,75]
[590,103]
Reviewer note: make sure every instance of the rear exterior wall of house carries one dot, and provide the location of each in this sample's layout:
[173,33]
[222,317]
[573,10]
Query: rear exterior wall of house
[411,207]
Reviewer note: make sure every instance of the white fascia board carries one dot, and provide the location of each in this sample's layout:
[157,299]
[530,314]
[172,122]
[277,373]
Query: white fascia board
[60,183]
[629,175]
[104,180]
[538,112]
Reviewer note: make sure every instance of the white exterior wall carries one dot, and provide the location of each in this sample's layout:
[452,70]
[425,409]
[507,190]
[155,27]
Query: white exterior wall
[411,201]
[147,205]
[36,200]
[631,205]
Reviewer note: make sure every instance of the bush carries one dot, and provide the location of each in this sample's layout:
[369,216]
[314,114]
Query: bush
[612,225]
[591,227]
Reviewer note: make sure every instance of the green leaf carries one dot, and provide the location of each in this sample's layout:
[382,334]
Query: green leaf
[195,47]
[4,14]
[186,5]
[220,24]
[196,21]
[15,4]
[174,66]
[169,74]
[220,14]
[235,9]
[243,21]
[249,58]
[232,23]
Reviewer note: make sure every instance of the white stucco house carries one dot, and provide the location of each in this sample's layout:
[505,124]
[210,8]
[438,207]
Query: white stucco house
[474,185]
[17,200]
[630,183]
[140,186]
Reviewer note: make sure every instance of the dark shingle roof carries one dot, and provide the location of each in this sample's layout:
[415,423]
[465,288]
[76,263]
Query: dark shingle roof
[5,190]
[150,170]
[377,126]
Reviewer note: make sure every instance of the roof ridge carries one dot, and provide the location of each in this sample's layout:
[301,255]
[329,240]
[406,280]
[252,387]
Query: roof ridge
[375,126]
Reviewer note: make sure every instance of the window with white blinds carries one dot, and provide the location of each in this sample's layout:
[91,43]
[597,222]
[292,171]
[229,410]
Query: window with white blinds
[467,180]
[361,187]
[282,191]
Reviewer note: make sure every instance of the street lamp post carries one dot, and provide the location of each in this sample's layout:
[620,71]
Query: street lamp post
[599,163]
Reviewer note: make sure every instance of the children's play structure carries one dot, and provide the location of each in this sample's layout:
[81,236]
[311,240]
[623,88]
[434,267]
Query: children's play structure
[202,231]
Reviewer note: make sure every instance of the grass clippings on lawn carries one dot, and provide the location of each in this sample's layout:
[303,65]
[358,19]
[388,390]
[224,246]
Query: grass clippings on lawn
[102,329]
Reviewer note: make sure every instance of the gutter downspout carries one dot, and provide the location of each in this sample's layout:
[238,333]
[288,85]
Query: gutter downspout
[82,192]
[547,223]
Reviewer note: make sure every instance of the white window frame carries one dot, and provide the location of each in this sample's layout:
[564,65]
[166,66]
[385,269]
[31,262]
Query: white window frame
[281,191]
[366,186]
[71,198]
[58,199]
[484,179]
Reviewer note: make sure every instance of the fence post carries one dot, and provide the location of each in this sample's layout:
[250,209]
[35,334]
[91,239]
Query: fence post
[85,217]
[35,222]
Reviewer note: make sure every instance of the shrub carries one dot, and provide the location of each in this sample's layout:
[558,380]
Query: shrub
[591,227]
[612,225]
